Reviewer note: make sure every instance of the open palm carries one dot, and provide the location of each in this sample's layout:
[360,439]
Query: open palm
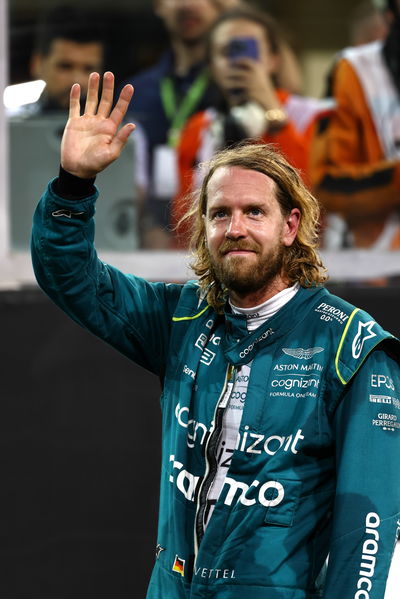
[92,141]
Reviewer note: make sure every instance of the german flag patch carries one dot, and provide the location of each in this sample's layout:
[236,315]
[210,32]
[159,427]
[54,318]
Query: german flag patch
[179,565]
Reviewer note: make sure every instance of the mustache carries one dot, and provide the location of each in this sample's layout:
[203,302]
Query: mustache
[228,246]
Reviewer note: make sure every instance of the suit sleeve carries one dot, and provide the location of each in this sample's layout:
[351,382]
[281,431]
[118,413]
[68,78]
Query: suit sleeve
[127,312]
[348,170]
[366,520]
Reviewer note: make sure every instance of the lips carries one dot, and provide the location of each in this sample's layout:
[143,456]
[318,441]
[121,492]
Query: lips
[238,252]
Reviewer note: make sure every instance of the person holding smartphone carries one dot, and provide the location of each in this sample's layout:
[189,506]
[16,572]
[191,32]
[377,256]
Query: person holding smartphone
[244,59]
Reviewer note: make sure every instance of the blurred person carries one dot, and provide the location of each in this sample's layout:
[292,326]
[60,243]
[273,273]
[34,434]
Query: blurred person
[244,58]
[169,92]
[277,446]
[368,24]
[69,45]
[355,163]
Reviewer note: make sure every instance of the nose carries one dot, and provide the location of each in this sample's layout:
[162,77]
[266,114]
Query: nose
[236,228]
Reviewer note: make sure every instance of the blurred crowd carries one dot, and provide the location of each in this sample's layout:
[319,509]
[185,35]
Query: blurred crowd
[230,75]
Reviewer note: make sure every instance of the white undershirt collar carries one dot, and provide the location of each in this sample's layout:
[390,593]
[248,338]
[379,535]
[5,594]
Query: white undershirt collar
[257,315]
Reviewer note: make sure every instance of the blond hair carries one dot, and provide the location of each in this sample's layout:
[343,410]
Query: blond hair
[301,262]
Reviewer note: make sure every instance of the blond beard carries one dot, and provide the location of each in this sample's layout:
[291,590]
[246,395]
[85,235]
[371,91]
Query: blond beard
[241,277]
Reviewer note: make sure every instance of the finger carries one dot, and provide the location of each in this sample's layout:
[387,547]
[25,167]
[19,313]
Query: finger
[107,95]
[121,106]
[237,75]
[121,138]
[92,97]
[124,133]
[232,81]
[74,101]
[244,63]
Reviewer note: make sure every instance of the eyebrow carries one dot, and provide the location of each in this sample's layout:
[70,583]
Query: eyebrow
[249,204]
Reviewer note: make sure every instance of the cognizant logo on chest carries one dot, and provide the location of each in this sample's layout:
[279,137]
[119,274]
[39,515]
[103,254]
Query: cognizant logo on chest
[248,442]
[293,383]
[269,493]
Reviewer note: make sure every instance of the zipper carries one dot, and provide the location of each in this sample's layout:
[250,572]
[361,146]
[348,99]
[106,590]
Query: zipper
[211,458]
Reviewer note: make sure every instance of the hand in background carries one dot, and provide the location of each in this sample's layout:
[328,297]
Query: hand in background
[249,76]
[92,141]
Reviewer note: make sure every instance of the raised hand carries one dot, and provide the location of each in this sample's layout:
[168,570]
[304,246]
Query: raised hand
[92,141]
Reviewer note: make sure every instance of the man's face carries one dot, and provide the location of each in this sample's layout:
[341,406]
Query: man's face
[67,62]
[247,233]
[224,34]
[188,20]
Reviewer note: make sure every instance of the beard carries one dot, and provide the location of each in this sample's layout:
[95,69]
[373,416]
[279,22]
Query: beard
[241,275]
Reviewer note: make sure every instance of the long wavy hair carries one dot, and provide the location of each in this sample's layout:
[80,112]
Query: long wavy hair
[301,262]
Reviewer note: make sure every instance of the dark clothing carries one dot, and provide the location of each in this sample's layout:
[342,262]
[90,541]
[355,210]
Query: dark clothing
[147,106]
[147,109]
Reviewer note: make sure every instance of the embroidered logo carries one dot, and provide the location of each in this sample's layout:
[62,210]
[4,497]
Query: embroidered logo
[66,213]
[300,353]
[179,565]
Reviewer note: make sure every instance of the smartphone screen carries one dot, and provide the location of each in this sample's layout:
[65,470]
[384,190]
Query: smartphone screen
[242,47]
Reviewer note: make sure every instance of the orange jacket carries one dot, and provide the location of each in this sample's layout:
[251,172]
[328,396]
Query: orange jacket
[349,173]
[293,144]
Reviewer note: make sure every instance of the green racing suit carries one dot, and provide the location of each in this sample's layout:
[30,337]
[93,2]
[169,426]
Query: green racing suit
[315,469]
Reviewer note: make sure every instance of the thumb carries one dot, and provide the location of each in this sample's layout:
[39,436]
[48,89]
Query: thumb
[122,136]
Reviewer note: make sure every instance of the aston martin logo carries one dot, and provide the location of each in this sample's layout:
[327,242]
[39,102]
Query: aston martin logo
[300,353]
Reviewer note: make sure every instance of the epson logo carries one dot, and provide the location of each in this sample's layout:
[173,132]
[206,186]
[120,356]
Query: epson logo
[381,380]
[368,559]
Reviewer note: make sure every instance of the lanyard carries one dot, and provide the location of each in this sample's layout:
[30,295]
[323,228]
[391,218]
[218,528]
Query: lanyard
[179,114]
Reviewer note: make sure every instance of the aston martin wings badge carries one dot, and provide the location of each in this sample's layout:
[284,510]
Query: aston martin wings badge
[301,353]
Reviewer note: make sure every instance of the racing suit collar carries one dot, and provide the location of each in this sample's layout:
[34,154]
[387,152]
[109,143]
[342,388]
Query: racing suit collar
[240,346]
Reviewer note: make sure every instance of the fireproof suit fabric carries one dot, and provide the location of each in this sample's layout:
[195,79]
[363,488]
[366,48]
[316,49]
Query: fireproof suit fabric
[316,464]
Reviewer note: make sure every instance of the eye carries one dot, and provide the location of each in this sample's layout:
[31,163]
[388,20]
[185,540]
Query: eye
[218,214]
[255,211]
[65,65]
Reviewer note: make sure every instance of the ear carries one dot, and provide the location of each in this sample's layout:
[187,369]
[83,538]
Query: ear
[291,226]
[36,66]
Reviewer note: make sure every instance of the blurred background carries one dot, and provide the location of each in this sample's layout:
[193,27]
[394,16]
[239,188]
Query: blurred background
[80,425]
[316,31]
